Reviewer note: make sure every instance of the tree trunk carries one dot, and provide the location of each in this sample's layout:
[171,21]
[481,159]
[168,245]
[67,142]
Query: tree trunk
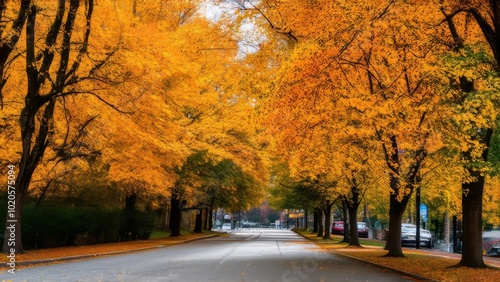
[210,218]
[396,211]
[346,220]
[198,222]
[353,229]
[352,207]
[446,229]
[472,201]
[175,216]
[205,219]
[320,223]
[130,224]
[353,223]
[472,211]
[315,222]
[328,223]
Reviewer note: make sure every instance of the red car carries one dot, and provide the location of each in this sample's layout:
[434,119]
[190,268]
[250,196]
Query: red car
[338,228]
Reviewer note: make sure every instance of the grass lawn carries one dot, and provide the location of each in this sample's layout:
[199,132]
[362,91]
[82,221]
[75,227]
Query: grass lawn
[419,262]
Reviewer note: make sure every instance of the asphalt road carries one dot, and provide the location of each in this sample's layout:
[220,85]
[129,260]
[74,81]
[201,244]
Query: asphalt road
[247,255]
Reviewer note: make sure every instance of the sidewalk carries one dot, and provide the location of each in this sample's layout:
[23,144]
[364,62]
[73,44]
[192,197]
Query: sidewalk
[437,252]
[489,260]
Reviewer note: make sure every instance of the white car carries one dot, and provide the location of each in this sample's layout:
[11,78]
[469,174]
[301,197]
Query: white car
[408,235]
[226,226]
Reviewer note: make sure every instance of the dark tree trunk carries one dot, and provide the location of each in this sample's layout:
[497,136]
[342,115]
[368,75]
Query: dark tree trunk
[175,216]
[328,223]
[210,218]
[397,202]
[198,222]
[352,206]
[353,229]
[320,223]
[472,213]
[315,222]
[130,224]
[205,219]
[396,210]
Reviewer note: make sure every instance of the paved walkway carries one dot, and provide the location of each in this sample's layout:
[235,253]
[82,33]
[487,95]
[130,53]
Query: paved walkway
[489,260]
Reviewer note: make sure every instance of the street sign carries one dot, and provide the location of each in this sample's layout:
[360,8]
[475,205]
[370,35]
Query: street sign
[423,212]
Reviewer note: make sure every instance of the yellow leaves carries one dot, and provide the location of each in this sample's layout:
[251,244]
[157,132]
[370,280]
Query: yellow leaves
[491,207]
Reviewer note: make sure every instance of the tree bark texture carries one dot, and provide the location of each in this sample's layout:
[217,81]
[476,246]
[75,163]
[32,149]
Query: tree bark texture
[328,212]
[353,206]
[320,223]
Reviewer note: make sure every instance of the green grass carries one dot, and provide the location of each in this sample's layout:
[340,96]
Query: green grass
[375,243]
[337,239]
[159,234]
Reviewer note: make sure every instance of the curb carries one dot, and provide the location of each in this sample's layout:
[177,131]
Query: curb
[409,274]
[78,257]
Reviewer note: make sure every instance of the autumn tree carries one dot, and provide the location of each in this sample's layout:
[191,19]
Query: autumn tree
[10,32]
[182,76]
[186,97]
[350,69]
[57,65]
[203,181]
[289,193]
[358,177]
[487,18]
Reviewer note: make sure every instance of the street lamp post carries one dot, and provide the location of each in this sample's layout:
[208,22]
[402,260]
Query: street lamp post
[286,217]
[417,206]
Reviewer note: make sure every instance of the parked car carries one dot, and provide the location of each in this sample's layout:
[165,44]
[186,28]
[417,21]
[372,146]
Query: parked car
[362,230]
[338,228]
[226,226]
[491,243]
[409,236]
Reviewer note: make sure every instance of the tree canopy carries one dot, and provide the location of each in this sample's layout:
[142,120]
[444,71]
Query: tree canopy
[198,101]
